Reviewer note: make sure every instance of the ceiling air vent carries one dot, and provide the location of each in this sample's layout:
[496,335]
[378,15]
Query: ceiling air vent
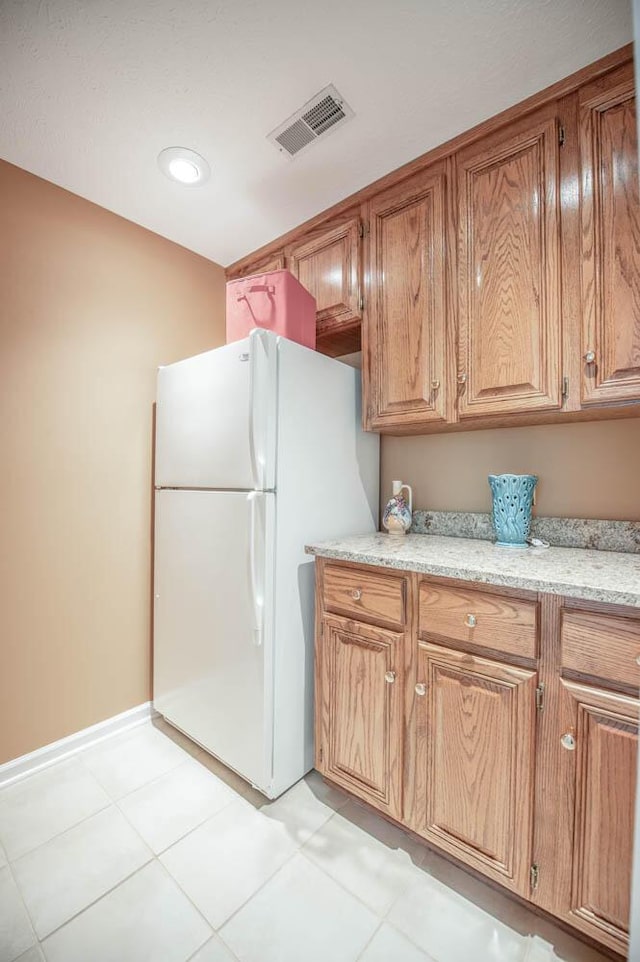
[324,112]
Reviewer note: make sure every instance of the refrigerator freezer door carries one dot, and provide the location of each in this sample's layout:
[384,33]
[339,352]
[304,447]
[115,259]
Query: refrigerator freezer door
[215,418]
[212,623]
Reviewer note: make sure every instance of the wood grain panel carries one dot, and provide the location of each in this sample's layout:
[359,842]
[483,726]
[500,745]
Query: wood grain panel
[554,802]
[365,595]
[362,740]
[501,623]
[605,727]
[602,646]
[272,262]
[328,264]
[476,742]
[509,270]
[408,314]
[610,238]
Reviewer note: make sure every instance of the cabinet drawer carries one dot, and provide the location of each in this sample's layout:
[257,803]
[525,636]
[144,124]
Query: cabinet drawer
[363,594]
[601,645]
[479,618]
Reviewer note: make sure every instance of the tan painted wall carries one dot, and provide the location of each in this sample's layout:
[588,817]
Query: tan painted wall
[90,305]
[586,470]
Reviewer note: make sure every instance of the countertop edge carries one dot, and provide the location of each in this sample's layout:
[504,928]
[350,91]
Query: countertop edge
[581,592]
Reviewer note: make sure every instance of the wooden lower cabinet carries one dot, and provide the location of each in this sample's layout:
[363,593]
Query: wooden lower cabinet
[360,711]
[519,761]
[474,755]
[599,745]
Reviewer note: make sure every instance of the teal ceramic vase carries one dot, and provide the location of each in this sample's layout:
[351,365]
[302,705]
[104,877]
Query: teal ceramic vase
[512,502]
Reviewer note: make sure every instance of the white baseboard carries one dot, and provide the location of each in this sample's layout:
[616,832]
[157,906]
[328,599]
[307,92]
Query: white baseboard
[64,747]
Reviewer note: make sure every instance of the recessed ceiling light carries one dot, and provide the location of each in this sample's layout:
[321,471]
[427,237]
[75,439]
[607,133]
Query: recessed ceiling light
[184,166]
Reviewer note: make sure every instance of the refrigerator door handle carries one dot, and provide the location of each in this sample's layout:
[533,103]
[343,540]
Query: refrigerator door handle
[257,465]
[257,591]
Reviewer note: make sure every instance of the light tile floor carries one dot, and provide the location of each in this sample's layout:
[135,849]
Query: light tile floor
[145,849]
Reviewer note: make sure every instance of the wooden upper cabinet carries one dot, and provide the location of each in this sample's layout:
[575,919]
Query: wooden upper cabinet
[272,262]
[509,270]
[360,711]
[328,263]
[600,797]
[474,755]
[610,239]
[408,325]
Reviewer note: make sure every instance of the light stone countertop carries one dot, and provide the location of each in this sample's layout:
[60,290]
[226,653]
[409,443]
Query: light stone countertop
[607,576]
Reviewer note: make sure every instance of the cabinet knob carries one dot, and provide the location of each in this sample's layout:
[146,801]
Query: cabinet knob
[470,621]
[435,385]
[590,357]
[568,741]
[420,689]
[462,378]
[356,594]
[389,677]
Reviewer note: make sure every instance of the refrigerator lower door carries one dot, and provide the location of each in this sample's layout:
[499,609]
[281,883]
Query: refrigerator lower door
[212,623]
[216,418]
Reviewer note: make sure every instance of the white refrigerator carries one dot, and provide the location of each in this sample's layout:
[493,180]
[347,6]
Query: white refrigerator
[259,450]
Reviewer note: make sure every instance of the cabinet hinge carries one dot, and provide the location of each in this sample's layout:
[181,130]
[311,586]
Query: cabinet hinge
[362,229]
[320,754]
[361,303]
[534,877]
[561,135]
[540,697]
[565,388]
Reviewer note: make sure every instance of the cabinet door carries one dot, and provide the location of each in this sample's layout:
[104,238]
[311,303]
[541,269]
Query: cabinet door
[359,704]
[474,754]
[610,239]
[272,262]
[328,264]
[509,270]
[601,754]
[408,321]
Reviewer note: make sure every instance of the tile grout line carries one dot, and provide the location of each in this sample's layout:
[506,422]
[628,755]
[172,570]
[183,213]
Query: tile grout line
[27,912]
[382,916]
[111,801]
[369,940]
[297,851]
[110,794]
[182,837]
[114,803]
[81,821]
[155,779]
[215,935]
[96,900]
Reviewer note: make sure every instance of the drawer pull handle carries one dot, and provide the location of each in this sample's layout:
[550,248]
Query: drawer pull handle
[420,689]
[356,594]
[389,677]
[568,741]
[470,621]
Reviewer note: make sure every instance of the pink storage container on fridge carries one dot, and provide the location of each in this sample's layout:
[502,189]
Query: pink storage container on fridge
[276,301]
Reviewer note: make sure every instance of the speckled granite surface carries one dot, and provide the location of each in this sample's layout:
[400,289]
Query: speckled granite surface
[560,532]
[609,576]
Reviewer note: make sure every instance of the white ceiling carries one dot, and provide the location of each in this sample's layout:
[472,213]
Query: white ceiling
[92,90]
